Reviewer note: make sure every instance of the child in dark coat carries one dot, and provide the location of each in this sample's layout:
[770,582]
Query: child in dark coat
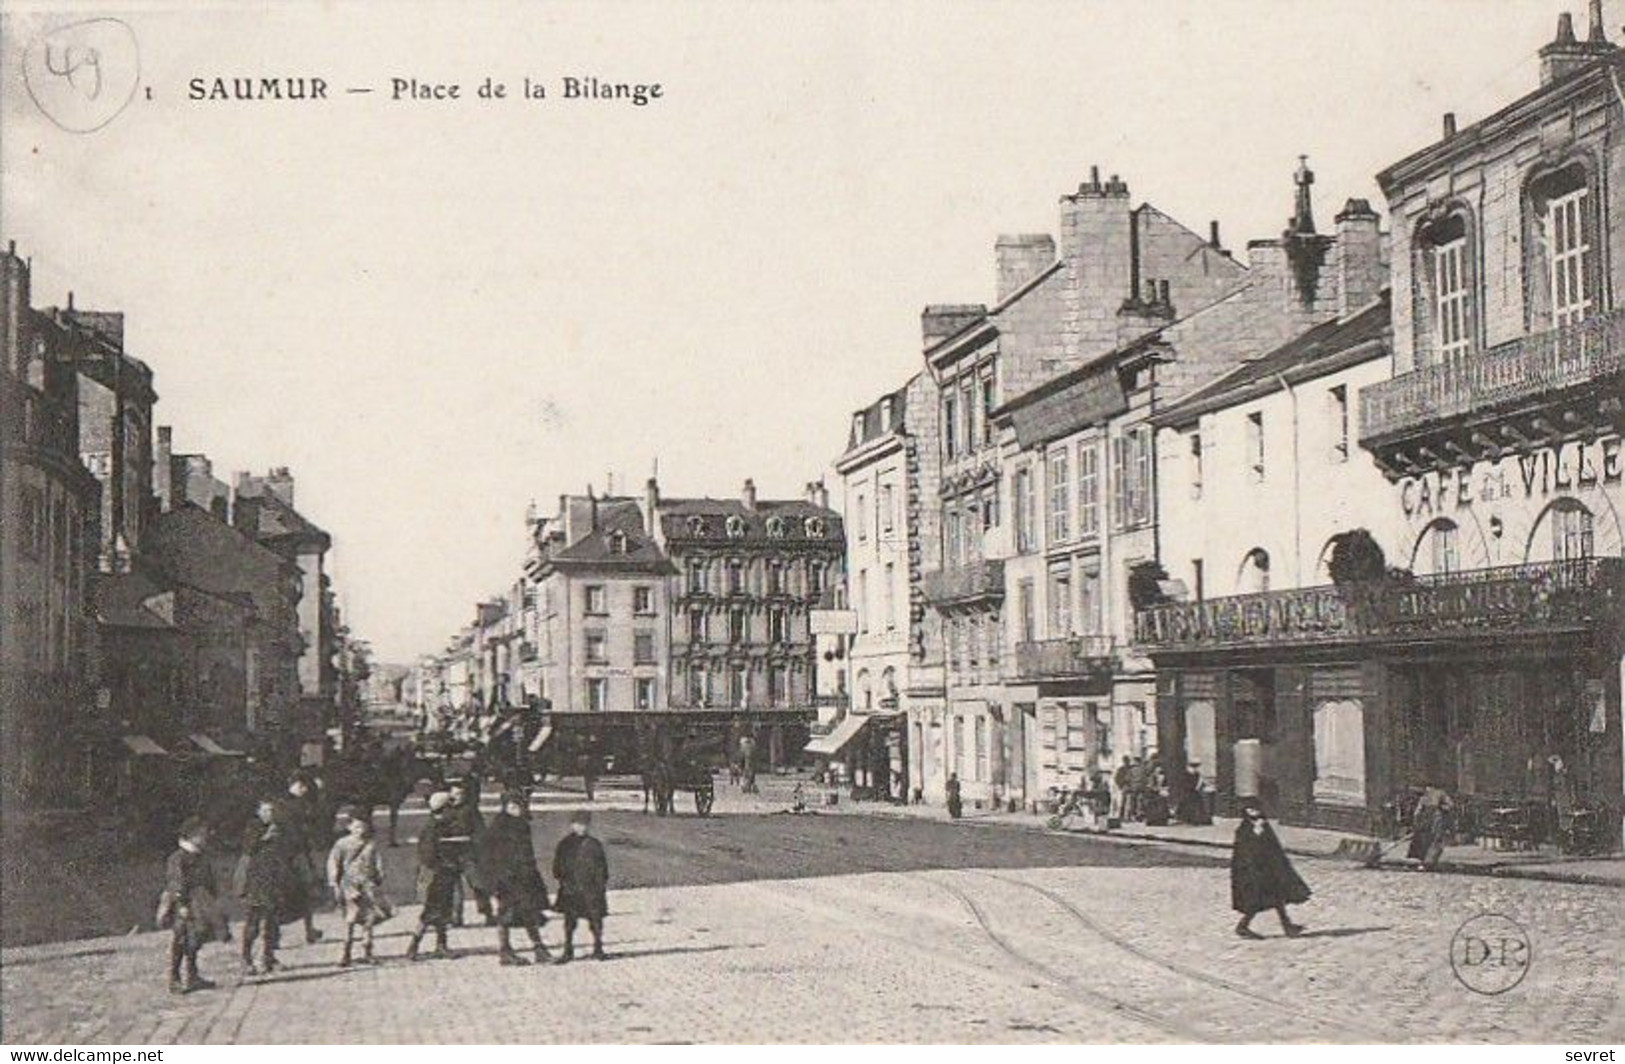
[440,866]
[582,869]
[190,906]
[1261,877]
[267,883]
[508,865]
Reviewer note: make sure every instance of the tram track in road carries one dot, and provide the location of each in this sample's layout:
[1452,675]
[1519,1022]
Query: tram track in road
[1326,1020]
[1099,999]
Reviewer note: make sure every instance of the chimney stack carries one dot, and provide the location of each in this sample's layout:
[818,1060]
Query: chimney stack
[1019,258]
[1360,269]
[1449,124]
[163,469]
[651,505]
[1566,54]
[1213,236]
[818,494]
[747,495]
[942,320]
[1596,34]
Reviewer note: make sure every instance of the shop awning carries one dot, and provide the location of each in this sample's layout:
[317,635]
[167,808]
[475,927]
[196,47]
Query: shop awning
[141,746]
[838,736]
[210,747]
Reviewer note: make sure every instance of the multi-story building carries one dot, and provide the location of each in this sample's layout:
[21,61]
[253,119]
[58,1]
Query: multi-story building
[748,574]
[599,582]
[48,511]
[264,510]
[890,463]
[1117,272]
[1493,670]
[1084,472]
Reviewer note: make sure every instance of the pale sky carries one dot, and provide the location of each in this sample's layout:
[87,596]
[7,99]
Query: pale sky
[436,312]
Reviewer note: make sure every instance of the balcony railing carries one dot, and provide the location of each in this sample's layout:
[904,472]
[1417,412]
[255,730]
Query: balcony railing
[1079,656]
[1519,369]
[1544,597]
[964,583]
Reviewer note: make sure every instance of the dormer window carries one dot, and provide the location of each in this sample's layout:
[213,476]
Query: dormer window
[696,526]
[617,543]
[775,527]
[815,527]
[736,527]
[886,414]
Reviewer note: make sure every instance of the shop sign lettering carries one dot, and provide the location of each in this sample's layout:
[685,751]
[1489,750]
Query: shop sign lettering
[1575,466]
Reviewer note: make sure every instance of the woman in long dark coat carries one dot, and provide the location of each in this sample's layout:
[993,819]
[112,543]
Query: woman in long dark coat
[582,869]
[1261,877]
[1431,825]
[508,863]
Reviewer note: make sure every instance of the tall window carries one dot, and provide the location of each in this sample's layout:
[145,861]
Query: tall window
[990,508]
[597,695]
[776,693]
[596,601]
[862,600]
[775,577]
[1572,531]
[860,516]
[699,685]
[643,692]
[736,625]
[885,503]
[1196,465]
[990,401]
[643,648]
[1337,421]
[1131,477]
[736,576]
[1565,229]
[1060,601]
[643,600]
[959,746]
[1089,602]
[815,578]
[696,626]
[969,412]
[597,648]
[1088,490]
[890,593]
[950,425]
[1452,298]
[1255,445]
[739,685]
[1444,555]
[950,531]
[1024,510]
[1024,611]
[1060,498]
[696,576]
[778,625]
[981,748]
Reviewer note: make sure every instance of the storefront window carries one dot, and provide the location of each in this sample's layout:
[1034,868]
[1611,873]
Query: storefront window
[1340,751]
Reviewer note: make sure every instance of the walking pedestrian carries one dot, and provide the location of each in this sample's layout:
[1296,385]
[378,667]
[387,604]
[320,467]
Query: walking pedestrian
[307,830]
[508,860]
[355,874]
[439,868]
[1261,877]
[582,869]
[1122,784]
[465,825]
[190,907]
[956,804]
[267,884]
[1431,825]
[747,763]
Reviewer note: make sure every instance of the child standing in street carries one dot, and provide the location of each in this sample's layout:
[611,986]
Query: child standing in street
[440,866]
[265,879]
[355,874]
[190,907]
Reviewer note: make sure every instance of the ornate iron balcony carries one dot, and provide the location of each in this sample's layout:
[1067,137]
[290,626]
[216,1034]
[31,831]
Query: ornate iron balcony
[1078,656]
[1521,369]
[1543,597]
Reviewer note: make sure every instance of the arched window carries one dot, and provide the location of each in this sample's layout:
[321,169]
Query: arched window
[1254,575]
[888,685]
[1446,287]
[1566,531]
[865,697]
[1562,263]
[1438,548]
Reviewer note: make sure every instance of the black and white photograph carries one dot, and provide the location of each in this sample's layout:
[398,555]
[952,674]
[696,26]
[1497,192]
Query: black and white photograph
[812,523]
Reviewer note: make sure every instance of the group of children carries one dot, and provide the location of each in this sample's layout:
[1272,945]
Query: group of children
[275,872]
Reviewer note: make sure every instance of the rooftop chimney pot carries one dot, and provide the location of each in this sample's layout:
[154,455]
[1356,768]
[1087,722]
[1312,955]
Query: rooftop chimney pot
[1449,124]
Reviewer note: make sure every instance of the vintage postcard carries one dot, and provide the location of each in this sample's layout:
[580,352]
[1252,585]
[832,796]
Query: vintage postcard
[733,522]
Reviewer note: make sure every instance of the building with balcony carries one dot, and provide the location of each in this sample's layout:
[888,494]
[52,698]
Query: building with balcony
[747,576]
[889,463]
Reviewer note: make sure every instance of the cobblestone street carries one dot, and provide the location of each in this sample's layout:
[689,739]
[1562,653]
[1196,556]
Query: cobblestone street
[1060,940]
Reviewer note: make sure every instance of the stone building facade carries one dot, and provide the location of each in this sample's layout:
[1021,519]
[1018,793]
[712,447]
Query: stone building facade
[48,514]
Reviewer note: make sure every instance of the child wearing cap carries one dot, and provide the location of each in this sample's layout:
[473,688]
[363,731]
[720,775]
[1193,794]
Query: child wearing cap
[582,869]
[439,867]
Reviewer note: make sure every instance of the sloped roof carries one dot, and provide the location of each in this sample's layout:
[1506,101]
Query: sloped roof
[131,600]
[803,521]
[619,520]
[275,519]
[1314,345]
